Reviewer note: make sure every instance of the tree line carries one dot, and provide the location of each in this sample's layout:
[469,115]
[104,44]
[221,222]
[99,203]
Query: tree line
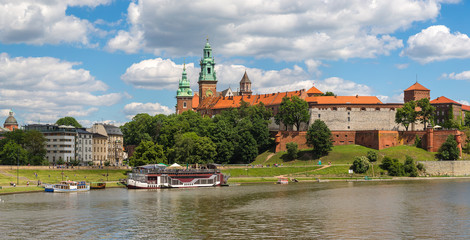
[233,136]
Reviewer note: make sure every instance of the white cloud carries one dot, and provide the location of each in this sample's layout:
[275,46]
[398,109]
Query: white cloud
[279,29]
[156,74]
[164,74]
[393,99]
[465,75]
[44,88]
[464,102]
[437,43]
[134,108]
[402,66]
[45,22]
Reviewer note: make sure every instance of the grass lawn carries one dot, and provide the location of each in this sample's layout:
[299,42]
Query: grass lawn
[55,175]
[266,172]
[345,154]
[21,189]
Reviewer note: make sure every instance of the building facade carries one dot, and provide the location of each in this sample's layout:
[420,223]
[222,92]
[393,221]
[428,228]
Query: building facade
[84,145]
[113,145]
[100,150]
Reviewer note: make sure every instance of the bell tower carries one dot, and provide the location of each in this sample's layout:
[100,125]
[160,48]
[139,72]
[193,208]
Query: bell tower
[207,77]
[184,94]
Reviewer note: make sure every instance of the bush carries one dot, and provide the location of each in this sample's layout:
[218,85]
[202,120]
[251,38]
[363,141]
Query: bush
[292,150]
[449,149]
[360,164]
[107,163]
[386,163]
[420,167]
[410,167]
[372,156]
[396,169]
[418,142]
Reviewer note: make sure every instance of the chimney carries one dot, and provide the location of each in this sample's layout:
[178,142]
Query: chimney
[357,96]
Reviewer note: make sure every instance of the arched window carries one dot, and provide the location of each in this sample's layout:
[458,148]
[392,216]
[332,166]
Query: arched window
[208,70]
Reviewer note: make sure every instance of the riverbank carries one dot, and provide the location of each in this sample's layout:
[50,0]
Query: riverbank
[5,190]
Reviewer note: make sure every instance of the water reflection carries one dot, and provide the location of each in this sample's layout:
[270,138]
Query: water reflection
[335,210]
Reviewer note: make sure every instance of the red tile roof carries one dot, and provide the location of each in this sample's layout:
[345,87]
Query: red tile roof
[417,86]
[195,101]
[344,100]
[314,90]
[465,107]
[443,99]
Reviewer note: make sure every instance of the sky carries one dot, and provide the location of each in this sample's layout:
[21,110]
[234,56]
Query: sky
[108,60]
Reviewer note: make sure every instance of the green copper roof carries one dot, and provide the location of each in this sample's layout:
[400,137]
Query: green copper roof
[184,89]
[207,65]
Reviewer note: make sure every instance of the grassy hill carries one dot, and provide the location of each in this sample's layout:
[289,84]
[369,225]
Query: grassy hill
[344,155]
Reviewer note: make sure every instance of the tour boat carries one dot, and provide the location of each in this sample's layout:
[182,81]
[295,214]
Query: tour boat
[156,177]
[67,186]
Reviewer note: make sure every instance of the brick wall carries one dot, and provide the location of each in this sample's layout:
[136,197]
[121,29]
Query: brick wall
[373,139]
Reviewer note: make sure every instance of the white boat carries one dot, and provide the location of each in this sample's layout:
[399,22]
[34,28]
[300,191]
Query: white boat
[68,186]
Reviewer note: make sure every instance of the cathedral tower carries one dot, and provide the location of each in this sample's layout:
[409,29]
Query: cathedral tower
[207,78]
[245,85]
[184,95]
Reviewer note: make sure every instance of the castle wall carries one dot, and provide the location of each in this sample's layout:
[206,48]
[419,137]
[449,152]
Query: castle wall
[357,117]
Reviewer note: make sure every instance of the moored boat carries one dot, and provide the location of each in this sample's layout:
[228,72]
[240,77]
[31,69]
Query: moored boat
[67,186]
[97,185]
[155,177]
[282,180]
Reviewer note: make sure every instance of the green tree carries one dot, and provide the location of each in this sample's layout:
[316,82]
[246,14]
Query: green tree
[292,150]
[35,144]
[223,136]
[427,111]
[141,128]
[293,111]
[328,94]
[449,121]
[146,153]
[372,156]
[11,153]
[407,114]
[190,148]
[245,148]
[410,167]
[386,163]
[319,137]
[449,149]
[75,162]
[68,121]
[467,119]
[60,161]
[360,164]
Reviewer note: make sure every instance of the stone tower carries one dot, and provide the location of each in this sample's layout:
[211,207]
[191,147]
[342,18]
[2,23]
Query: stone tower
[184,94]
[207,78]
[416,92]
[245,85]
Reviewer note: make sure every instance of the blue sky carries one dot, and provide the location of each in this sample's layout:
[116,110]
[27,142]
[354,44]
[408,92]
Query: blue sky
[107,60]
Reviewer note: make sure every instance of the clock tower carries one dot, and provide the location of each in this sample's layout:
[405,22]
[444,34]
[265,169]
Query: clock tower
[207,78]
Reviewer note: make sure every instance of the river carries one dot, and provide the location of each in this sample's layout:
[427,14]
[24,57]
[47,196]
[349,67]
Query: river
[438,209]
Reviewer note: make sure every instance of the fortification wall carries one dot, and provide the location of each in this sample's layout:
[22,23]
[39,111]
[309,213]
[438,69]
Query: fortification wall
[449,168]
[358,117]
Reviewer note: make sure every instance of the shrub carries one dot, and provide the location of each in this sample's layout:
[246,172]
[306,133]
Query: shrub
[360,164]
[410,167]
[292,150]
[386,163]
[449,149]
[396,169]
[420,167]
[107,163]
[418,142]
[372,156]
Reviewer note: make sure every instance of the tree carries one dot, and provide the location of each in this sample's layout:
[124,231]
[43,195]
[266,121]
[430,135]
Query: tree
[75,162]
[449,121]
[245,148]
[319,137]
[146,153]
[35,144]
[360,164]
[449,149]
[328,94]
[293,111]
[410,167]
[68,121]
[372,156]
[292,150]
[407,114]
[427,111]
[223,137]
[467,119]
[191,148]
[12,153]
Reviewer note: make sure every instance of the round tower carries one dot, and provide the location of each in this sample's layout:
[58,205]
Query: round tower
[10,122]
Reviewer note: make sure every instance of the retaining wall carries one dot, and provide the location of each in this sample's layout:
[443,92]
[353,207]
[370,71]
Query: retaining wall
[449,168]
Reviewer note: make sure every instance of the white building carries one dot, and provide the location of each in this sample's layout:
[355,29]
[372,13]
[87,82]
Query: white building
[83,146]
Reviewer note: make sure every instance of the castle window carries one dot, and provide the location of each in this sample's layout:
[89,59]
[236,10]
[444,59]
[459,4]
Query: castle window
[349,127]
[392,109]
[349,119]
[208,70]
[335,109]
[184,104]
[377,109]
[363,108]
[348,108]
[319,115]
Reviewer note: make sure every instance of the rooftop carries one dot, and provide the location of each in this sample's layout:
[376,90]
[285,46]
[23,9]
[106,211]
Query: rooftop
[344,100]
[417,86]
[443,99]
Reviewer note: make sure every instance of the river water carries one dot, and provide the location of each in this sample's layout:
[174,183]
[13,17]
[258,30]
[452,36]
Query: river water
[437,209]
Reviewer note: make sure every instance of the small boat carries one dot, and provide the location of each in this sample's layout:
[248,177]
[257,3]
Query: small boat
[97,185]
[68,186]
[282,180]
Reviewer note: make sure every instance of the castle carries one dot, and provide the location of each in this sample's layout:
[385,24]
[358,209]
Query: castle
[353,119]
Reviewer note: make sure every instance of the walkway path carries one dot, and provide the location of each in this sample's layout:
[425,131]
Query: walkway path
[269,156]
